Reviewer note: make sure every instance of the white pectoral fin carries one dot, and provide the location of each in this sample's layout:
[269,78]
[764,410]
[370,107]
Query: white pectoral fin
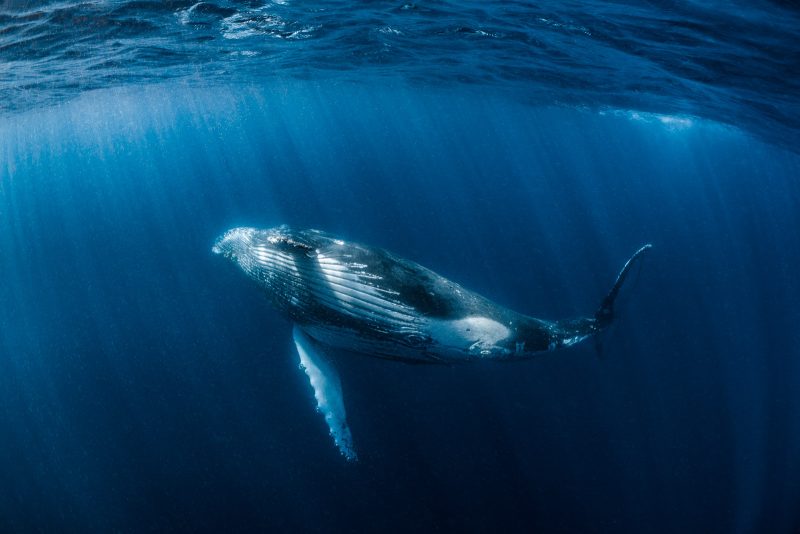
[327,391]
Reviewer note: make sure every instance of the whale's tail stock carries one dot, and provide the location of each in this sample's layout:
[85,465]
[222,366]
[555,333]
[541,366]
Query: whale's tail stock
[571,331]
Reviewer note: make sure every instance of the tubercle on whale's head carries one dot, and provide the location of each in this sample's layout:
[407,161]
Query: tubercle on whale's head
[234,242]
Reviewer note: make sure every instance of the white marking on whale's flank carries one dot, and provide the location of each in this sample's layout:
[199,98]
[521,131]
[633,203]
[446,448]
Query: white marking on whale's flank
[472,334]
[572,340]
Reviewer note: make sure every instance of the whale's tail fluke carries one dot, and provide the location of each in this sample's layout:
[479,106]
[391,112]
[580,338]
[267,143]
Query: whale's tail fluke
[605,313]
[571,331]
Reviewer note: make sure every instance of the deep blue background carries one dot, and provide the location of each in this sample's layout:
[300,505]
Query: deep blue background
[144,384]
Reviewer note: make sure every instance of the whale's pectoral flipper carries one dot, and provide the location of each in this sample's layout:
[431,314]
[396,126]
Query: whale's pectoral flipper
[327,390]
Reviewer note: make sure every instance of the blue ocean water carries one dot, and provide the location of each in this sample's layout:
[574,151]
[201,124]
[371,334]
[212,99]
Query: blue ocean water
[522,150]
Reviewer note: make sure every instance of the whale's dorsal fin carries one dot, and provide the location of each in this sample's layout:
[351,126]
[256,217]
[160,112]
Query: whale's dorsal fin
[327,390]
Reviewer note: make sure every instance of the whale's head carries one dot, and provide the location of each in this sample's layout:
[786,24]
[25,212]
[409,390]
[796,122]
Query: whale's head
[239,243]
[235,243]
[269,256]
[280,260]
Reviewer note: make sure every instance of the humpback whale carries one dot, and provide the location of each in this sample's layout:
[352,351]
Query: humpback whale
[345,295]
